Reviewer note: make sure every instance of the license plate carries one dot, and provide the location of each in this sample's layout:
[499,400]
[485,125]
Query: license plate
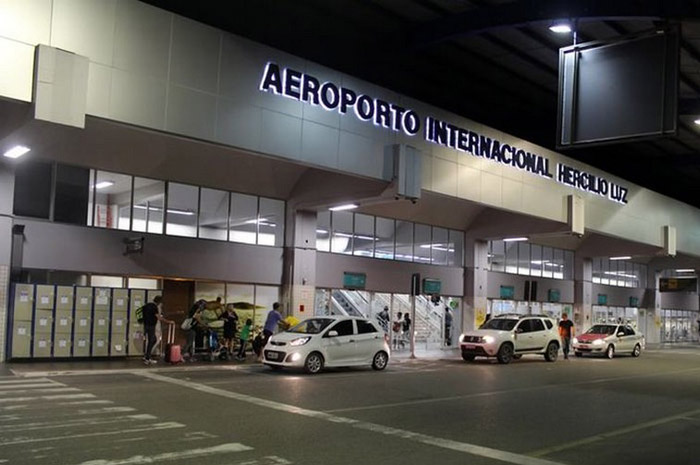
[583,346]
[468,346]
[272,356]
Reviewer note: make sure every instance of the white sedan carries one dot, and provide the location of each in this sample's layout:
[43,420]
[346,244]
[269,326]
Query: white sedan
[608,340]
[328,341]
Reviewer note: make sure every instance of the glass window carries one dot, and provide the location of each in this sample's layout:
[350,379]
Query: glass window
[91,197]
[558,261]
[323,231]
[265,296]
[106,281]
[344,328]
[183,207]
[497,256]
[537,325]
[71,195]
[341,223]
[525,326]
[523,258]
[365,327]
[605,272]
[384,232]
[213,214]
[208,291]
[363,240]
[149,197]
[440,247]
[112,199]
[547,265]
[404,241]
[33,189]
[422,243]
[242,296]
[455,251]
[536,264]
[597,269]
[511,257]
[142,283]
[243,223]
[271,222]
[568,264]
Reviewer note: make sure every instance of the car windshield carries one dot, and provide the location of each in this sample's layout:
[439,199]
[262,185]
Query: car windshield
[602,329]
[311,326]
[501,324]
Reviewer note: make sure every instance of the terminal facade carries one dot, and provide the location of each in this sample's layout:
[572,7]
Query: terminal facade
[168,157]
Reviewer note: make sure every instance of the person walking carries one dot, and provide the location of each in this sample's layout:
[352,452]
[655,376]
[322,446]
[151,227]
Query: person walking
[151,316]
[448,326]
[566,332]
[244,336]
[406,326]
[383,319]
[272,322]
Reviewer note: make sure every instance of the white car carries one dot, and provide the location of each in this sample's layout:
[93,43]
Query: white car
[609,339]
[328,341]
[509,337]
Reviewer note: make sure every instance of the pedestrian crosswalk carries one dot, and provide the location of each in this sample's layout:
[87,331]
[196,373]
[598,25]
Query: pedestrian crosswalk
[44,421]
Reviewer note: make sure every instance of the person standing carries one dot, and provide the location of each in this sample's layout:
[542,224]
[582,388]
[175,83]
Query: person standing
[245,335]
[383,318]
[406,329]
[195,315]
[274,317]
[448,326]
[151,316]
[566,332]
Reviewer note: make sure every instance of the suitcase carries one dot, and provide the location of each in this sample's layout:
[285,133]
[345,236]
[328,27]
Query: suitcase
[173,352]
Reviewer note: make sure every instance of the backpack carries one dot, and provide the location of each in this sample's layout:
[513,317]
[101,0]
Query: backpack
[396,327]
[139,314]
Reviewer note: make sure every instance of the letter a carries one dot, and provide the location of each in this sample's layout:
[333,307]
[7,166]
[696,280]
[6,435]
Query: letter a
[271,79]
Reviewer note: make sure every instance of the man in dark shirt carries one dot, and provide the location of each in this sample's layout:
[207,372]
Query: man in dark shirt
[566,332]
[151,316]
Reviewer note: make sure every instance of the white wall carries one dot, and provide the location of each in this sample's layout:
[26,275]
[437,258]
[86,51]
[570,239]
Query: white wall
[680,300]
[620,296]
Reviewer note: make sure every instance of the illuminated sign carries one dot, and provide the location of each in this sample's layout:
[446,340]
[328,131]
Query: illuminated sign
[303,87]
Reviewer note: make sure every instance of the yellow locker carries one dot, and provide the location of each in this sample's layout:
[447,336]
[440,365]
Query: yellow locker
[120,300]
[136,340]
[118,347]
[63,322]
[81,345]
[45,296]
[43,320]
[100,345]
[42,345]
[83,322]
[62,345]
[83,298]
[64,297]
[21,339]
[103,299]
[100,322]
[137,300]
[24,302]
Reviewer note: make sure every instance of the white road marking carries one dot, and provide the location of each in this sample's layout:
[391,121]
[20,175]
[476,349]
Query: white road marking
[614,433]
[12,387]
[178,455]
[63,423]
[52,397]
[28,382]
[42,391]
[472,449]
[87,402]
[153,427]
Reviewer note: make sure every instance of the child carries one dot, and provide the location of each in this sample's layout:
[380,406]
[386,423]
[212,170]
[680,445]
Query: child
[245,334]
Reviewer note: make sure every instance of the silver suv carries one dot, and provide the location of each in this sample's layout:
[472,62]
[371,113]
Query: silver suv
[509,337]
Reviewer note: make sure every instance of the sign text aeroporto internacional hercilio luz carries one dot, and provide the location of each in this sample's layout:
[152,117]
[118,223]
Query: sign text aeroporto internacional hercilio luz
[306,88]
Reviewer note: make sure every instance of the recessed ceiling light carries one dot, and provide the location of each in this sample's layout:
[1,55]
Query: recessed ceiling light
[103,184]
[16,151]
[686,270]
[560,28]
[626,257]
[515,239]
[697,121]
[347,206]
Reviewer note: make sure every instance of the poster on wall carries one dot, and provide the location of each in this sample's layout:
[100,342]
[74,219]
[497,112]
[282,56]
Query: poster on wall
[507,292]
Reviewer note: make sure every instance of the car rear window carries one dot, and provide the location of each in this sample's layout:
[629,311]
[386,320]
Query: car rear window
[364,327]
[549,324]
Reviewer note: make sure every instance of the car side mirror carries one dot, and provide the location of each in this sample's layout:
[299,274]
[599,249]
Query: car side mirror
[519,330]
[332,333]
[620,334]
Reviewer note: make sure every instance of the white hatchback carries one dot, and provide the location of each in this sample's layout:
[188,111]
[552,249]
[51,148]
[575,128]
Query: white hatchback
[328,341]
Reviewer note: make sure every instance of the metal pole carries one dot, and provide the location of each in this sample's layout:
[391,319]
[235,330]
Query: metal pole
[413,325]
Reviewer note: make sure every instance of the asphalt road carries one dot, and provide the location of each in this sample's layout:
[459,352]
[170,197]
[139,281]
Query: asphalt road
[578,411]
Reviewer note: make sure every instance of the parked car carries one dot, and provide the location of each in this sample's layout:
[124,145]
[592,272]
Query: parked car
[608,340]
[329,341]
[509,337]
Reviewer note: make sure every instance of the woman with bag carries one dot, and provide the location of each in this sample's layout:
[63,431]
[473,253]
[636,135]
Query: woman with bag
[192,322]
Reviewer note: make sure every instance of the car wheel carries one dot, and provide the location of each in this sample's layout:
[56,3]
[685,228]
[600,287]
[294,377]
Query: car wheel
[505,353]
[610,351]
[552,352]
[637,350]
[578,354]
[313,363]
[468,357]
[517,356]
[380,360]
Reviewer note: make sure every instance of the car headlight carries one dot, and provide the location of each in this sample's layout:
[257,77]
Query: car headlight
[598,342]
[300,341]
[489,339]
[575,341]
[461,338]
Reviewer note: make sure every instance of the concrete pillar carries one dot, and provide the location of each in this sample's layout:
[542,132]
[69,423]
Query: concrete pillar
[7,186]
[652,320]
[299,275]
[475,284]
[583,289]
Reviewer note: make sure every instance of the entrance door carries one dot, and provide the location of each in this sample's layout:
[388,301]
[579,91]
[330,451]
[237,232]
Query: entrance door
[178,296]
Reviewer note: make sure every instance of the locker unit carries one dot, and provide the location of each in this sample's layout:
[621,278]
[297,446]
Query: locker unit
[135,340]
[22,321]
[45,297]
[82,322]
[63,321]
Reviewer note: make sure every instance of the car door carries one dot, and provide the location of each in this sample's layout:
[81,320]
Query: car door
[340,349]
[539,333]
[368,341]
[623,341]
[523,336]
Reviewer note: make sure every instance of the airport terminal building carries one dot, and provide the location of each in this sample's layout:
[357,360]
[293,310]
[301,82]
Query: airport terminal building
[169,157]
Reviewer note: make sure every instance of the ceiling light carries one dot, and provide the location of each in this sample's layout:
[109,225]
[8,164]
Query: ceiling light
[627,257]
[686,270]
[697,121]
[560,28]
[515,239]
[16,151]
[103,184]
[347,206]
